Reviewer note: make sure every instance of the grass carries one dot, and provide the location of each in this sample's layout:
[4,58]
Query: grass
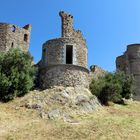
[116,122]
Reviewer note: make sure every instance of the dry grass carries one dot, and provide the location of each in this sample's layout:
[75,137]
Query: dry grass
[111,123]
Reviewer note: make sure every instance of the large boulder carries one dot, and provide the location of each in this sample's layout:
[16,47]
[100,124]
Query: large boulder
[59,102]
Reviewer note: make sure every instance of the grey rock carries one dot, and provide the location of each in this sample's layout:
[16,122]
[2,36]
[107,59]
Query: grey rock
[33,106]
[53,114]
[80,99]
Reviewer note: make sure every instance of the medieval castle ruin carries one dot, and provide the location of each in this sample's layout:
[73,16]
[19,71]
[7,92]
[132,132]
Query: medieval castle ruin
[129,62]
[12,36]
[64,59]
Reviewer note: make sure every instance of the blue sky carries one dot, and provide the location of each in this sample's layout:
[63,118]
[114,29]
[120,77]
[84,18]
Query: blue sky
[108,25]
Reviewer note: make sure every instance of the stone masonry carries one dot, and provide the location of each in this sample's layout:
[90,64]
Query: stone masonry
[12,36]
[64,75]
[64,60]
[67,28]
[129,62]
[54,52]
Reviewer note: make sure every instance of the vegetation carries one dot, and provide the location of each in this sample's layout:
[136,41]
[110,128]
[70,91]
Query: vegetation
[17,74]
[115,122]
[112,87]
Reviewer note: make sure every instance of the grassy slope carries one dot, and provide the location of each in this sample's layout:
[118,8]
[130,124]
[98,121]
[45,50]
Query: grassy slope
[111,123]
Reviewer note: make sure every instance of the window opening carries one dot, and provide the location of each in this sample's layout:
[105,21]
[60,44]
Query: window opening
[13,28]
[25,37]
[69,54]
[12,45]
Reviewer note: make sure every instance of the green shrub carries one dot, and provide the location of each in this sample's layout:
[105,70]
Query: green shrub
[112,87]
[17,74]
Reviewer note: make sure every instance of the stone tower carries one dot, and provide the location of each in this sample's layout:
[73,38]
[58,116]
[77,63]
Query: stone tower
[12,36]
[129,62]
[64,60]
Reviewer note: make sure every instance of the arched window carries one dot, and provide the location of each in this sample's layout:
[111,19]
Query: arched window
[25,37]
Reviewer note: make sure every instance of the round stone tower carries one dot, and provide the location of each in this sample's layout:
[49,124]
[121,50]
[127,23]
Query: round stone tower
[64,60]
[129,62]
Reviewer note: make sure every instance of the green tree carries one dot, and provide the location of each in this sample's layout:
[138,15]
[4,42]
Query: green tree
[112,87]
[17,74]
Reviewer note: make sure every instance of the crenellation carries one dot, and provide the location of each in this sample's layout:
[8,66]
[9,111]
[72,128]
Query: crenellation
[67,24]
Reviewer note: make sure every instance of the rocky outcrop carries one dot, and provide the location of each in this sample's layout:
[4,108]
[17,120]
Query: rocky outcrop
[61,102]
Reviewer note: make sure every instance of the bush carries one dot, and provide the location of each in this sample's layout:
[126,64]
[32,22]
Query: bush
[112,87]
[17,74]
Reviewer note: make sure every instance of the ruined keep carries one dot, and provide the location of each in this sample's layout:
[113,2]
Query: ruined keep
[129,62]
[64,60]
[12,36]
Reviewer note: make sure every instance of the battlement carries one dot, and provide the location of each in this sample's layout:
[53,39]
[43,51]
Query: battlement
[67,24]
[65,15]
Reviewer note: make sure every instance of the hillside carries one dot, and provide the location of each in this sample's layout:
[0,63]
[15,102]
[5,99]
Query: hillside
[116,122]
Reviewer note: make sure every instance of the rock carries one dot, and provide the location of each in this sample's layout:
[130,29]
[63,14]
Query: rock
[54,103]
[53,114]
[33,106]
[43,115]
[123,101]
[80,99]
[69,119]
[60,98]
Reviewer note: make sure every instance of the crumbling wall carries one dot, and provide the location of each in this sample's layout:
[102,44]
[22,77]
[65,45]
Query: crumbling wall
[68,29]
[12,36]
[96,72]
[54,68]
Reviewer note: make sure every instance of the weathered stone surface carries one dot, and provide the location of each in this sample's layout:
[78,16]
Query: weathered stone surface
[33,106]
[129,62]
[53,114]
[12,36]
[96,72]
[81,99]
[54,51]
[62,102]
[67,27]
[54,68]
[63,75]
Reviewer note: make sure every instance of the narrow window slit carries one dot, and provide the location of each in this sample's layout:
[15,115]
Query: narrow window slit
[25,37]
[12,45]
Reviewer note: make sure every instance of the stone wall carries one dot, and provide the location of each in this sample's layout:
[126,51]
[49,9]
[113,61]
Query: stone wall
[67,27]
[3,29]
[96,72]
[63,75]
[64,60]
[129,62]
[12,36]
[54,52]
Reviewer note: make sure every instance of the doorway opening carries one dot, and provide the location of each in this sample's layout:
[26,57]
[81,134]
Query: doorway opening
[69,54]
